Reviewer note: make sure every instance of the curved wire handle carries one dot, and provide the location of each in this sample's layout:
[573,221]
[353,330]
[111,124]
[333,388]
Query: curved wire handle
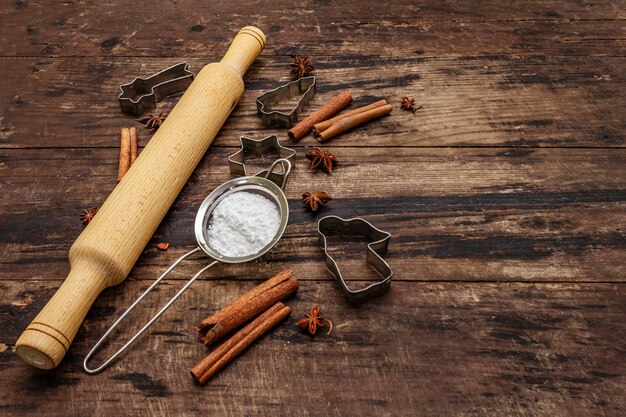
[149,323]
[286,170]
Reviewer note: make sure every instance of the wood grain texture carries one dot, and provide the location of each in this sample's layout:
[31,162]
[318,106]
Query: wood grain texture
[466,100]
[455,214]
[433,349]
[425,27]
[508,294]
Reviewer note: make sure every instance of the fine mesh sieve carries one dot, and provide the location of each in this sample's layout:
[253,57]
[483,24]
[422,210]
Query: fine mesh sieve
[253,184]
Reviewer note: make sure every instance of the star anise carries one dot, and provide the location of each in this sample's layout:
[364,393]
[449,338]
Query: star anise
[321,159]
[153,120]
[313,321]
[301,67]
[87,215]
[408,104]
[315,200]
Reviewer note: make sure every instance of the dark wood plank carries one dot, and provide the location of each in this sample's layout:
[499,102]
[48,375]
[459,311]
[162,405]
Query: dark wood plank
[429,349]
[321,28]
[467,101]
[455,214]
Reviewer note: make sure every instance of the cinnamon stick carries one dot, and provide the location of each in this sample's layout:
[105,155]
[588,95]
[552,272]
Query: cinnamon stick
[134,150]
[332,107]
[321,126]
[124,162]
[229,350]
[247,307]
[353,121]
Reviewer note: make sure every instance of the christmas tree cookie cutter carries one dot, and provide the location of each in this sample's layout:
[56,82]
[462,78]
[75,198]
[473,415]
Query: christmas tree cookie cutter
[259,147]
[304,87]
[376,248]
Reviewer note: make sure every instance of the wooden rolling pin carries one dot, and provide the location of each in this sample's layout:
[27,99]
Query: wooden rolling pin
[107,249]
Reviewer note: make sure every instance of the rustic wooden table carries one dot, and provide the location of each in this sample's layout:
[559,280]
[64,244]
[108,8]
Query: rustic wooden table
[505,195]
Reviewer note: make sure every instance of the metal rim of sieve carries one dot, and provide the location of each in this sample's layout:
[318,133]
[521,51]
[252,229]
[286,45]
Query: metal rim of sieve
[257,185]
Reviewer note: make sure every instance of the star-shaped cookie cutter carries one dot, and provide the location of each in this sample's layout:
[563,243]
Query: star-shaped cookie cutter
[304,86]
[258,147]
[141,94]
[379,241]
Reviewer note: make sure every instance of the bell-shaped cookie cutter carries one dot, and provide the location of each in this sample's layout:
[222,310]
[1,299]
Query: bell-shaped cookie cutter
[141,94]
[304,86]
[379,241]
[258,147]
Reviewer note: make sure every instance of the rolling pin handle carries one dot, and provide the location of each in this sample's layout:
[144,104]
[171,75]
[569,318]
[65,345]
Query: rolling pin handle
[246,47]
[48,337]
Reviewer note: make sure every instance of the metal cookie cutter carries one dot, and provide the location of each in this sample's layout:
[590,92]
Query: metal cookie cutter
[304,86]
[141,94]
[259,147]
[379,240]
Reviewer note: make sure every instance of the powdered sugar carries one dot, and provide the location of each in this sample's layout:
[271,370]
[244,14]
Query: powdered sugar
[242,224]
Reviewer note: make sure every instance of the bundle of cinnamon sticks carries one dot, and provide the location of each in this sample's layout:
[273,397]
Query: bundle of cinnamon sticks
[128,151]
[262,302]
[324,126]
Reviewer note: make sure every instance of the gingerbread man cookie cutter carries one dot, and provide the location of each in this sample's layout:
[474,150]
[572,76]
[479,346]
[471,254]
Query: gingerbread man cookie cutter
[376,248]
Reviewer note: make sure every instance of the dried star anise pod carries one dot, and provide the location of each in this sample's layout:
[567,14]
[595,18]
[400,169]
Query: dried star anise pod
[408,104]
[153,120]
[315,200]
[321,159]
[301,67]
[87,215]
[312,321]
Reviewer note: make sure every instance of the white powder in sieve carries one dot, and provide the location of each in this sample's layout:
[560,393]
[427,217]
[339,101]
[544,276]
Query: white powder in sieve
[242,224]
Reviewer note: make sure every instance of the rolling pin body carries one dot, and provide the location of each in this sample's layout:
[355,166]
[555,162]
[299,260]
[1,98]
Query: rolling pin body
[108,248]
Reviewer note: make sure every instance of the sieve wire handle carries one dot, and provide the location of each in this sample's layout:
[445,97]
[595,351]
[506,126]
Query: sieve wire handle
[286,170]
[149,323]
